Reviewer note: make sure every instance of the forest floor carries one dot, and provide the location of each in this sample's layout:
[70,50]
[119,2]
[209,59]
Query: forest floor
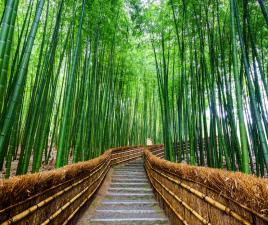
[51,165]
[44,167]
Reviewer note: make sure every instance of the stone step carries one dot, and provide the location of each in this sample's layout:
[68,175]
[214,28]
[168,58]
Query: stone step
[110,213]
[129,176]
[124,175]
[119,205]
[129,180]
[130,170]
[129,173]
[129,194]
[130,185]
[129,197]
[128,201]
[129,216]
[141,221]
[130,190]
[133,163]
[132,166]
[124,211]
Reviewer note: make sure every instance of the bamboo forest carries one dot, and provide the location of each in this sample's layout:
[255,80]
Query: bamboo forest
[79,77]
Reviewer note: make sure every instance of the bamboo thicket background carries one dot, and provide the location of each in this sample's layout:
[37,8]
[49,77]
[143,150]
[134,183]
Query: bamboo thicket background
[78,77]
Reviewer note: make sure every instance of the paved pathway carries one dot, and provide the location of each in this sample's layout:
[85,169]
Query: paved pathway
[127,200]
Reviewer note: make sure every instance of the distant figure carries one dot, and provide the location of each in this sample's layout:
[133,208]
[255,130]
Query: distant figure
[149,141]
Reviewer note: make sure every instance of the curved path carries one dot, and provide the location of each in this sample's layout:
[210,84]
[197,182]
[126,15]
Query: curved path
[126,198]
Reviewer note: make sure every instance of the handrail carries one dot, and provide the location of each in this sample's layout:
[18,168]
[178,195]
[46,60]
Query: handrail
[74,186]
[167,185]
[185,199]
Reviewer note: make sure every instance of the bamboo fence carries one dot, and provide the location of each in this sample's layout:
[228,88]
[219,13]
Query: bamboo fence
[56,197]
[199,195]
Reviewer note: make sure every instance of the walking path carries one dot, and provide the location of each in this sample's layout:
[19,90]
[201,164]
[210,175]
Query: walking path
[128,199]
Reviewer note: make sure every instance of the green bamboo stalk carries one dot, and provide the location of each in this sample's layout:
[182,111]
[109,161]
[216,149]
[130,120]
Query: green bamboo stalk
[242,128]
[20,84]
[68,101]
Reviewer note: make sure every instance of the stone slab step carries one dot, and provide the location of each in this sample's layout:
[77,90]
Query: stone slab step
[130,170]
[132,166]
[128,206]
[132,222]
[130,185]
[129,180]
[130,190]
[128,197]
[129,173]
[128,216]
[128,201]
[132,163]
[129,176]
[125,211]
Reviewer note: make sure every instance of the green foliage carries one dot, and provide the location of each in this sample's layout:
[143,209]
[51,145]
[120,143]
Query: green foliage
[212,86]
[82,76]
[74,83]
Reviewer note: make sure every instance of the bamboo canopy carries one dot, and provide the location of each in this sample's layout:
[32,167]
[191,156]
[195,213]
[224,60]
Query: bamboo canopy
[79,77]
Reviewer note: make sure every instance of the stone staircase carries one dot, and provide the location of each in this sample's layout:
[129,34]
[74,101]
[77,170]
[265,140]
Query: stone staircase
[128,200]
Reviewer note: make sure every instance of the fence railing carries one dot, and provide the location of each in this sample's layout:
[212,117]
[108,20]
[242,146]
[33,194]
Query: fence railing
[198,195]
[189,195]
[54,197]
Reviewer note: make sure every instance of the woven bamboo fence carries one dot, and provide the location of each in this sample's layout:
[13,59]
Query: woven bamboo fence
[55,197]
[158,151]
[199,195]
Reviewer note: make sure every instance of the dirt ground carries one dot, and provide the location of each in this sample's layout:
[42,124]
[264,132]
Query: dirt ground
[44,167]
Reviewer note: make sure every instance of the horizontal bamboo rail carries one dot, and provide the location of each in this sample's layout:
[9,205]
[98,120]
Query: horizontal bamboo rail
[185,200]
[72,187]
[121,155]
[189,202]
[99,179]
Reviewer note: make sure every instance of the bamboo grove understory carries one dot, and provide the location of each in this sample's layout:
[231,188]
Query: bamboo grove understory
[79,77]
